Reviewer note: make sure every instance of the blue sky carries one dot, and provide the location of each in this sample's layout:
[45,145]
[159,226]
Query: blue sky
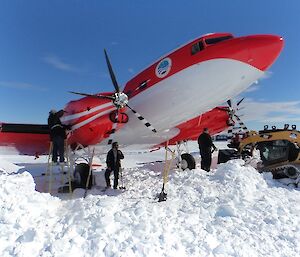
[50,47]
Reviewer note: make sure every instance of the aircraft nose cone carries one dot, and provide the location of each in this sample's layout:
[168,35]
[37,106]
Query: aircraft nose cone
[264,50]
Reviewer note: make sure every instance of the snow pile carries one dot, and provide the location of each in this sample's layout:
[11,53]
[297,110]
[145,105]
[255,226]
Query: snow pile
[8,167]
[25,216]
[233,211]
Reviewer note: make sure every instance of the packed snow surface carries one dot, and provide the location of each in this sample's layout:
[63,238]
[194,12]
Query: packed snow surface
[232,211]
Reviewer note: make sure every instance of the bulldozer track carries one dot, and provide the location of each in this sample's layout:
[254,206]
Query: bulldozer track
[289,170]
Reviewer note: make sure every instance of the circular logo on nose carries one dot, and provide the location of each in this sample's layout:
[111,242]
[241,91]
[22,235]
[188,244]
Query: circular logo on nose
[163,67]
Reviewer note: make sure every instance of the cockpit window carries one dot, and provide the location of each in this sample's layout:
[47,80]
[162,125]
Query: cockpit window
[197,47]
[211,41]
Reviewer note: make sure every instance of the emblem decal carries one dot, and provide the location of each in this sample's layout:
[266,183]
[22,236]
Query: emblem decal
[163,67]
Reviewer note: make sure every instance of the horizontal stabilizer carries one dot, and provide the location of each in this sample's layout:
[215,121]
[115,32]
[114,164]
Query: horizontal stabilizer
[25,128]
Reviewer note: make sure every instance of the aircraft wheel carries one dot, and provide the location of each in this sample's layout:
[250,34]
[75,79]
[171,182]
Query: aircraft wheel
[81,174]
[187,161]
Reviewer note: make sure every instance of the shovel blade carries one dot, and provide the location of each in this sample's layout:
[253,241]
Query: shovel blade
[162,197]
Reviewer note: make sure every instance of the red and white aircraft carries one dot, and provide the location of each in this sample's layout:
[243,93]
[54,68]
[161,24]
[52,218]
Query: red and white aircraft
[171,100]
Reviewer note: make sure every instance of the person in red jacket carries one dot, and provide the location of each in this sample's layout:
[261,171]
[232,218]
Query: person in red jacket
[113,162]
[205,147]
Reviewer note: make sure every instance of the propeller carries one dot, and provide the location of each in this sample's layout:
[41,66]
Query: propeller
[232,111]
[119,99]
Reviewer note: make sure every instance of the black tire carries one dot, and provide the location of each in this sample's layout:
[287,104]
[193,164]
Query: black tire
[81,174]
[291,172]
[188,160]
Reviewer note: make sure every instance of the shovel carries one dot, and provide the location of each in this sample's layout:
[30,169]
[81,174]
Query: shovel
[122,182]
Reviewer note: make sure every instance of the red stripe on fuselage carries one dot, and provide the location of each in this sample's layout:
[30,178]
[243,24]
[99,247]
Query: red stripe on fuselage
[83,109]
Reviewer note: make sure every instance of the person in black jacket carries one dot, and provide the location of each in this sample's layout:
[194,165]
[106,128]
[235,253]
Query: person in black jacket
[57,135]
[113,161]
[205,147]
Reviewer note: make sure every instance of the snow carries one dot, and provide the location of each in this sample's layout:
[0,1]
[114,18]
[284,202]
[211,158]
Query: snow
[232,211]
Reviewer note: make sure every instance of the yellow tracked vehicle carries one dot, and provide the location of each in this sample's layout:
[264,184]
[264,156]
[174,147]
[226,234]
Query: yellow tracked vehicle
[279,151]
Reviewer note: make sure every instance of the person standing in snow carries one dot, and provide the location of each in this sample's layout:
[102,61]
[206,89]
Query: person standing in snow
[205,146]
[57,135]
[113,162]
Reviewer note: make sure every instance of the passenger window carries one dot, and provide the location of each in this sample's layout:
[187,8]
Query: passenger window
[143,85]
[197,47]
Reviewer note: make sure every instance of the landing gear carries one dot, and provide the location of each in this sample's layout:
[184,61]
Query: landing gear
[81,171]
[185,160]
[81,175]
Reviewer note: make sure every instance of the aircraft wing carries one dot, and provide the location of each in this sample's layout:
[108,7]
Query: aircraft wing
[216,120]
[33,139]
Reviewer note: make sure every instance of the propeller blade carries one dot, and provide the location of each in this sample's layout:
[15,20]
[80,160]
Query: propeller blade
[229,103]
[142,119]
[239,102]
[111,72]
[230,133]
[113,130]
[95,96]
[243,126]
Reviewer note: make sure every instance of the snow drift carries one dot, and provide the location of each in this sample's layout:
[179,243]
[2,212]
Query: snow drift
[234,211]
